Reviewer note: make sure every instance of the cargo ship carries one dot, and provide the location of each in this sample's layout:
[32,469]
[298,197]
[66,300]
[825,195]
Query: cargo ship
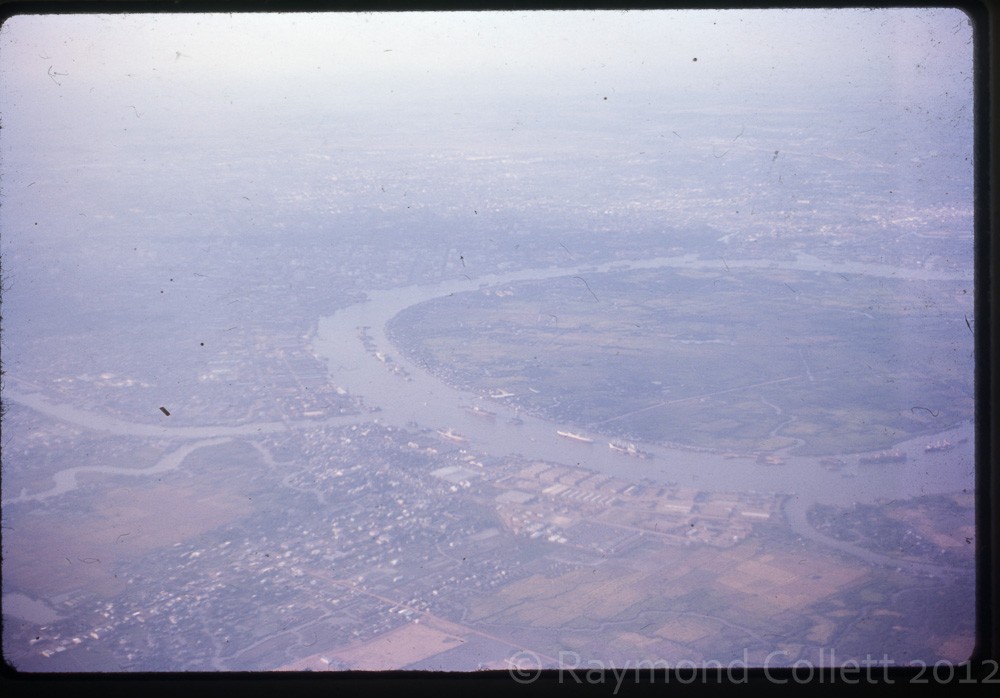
[451,436]
[480,412]
[893,456]
[939,446]
[575,437]
[628,448]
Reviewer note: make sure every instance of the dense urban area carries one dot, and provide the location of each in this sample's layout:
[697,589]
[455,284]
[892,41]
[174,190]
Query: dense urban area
[698,389]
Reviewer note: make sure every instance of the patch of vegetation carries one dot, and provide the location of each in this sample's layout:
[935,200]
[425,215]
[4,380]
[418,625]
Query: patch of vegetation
[745,360]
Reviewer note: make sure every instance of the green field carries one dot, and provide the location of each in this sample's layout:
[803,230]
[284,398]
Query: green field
[743,360]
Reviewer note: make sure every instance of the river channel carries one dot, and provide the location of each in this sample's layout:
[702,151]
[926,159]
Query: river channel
[412,395]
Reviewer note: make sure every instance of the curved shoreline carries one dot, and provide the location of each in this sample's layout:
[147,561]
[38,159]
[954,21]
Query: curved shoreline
[416,397]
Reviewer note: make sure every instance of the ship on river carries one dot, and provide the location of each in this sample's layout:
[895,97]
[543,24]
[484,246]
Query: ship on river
[893,456]
[452,436]
[939,446]
[478,411]
[575,437]
[628,448]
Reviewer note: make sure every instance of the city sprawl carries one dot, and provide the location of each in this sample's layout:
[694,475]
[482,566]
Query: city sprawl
[614,374]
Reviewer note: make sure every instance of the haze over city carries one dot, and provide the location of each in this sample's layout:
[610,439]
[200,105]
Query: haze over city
[487,340]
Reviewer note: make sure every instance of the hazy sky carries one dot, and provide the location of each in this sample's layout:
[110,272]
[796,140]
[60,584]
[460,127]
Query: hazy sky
[52,63]
[145,89]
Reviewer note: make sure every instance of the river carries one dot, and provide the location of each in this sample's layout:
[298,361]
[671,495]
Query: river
[413,396]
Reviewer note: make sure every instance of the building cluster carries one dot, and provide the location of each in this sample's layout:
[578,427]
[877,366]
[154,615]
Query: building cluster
[362,528]
[569,505]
